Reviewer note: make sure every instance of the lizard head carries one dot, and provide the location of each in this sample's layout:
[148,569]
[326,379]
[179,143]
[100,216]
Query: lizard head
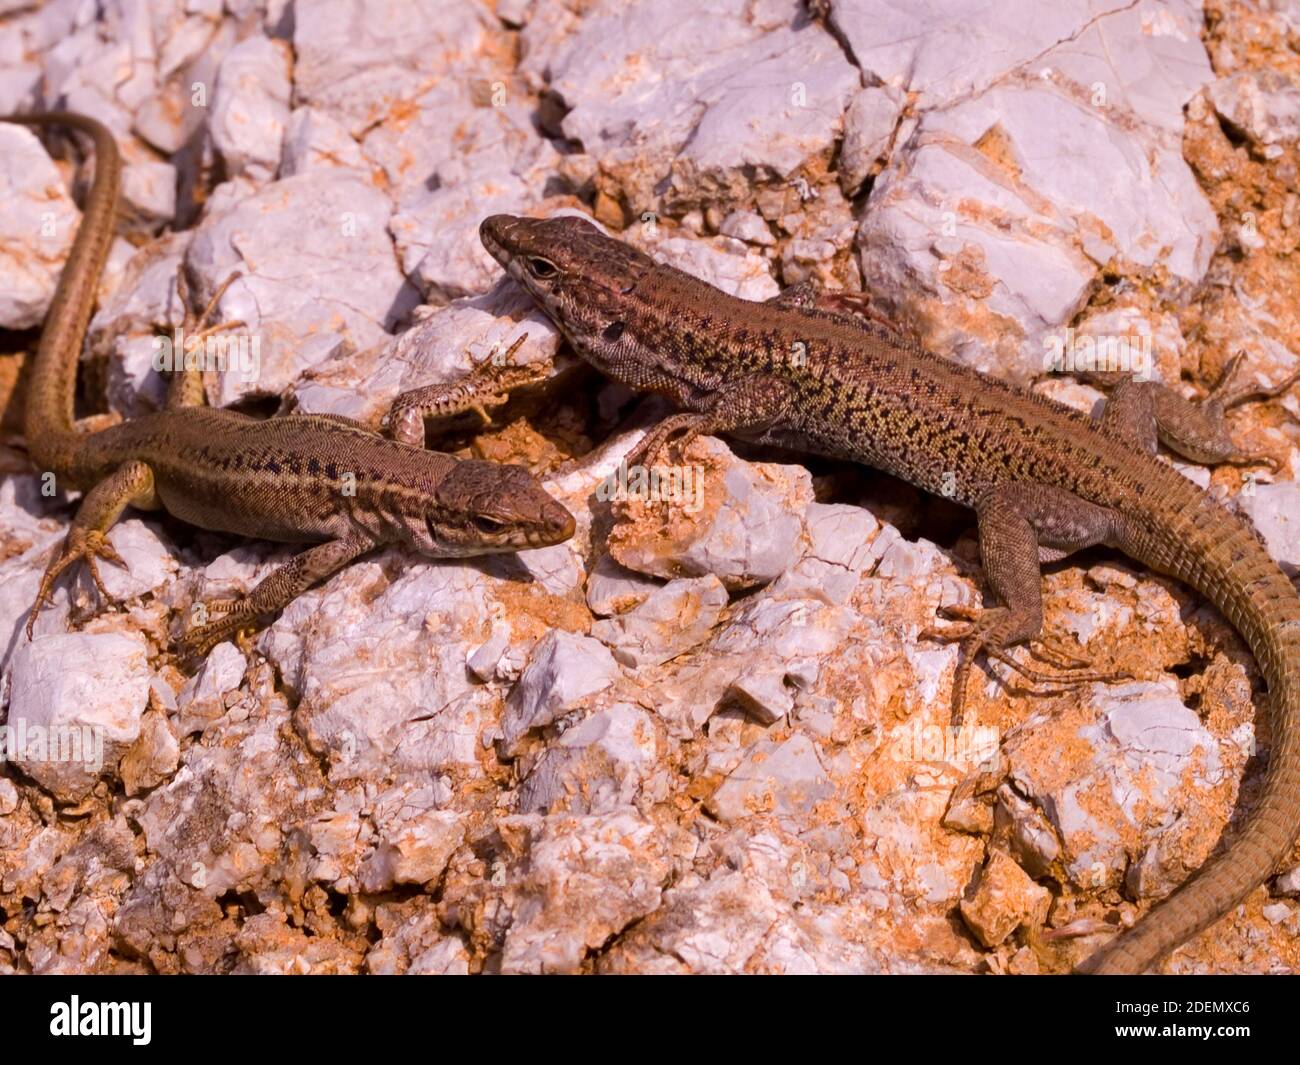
[580,277]
[482,508]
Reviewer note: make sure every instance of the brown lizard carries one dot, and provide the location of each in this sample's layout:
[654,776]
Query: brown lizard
[1044,480]
[314,479]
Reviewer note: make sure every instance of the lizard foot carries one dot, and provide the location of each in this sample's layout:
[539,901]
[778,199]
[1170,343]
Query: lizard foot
[983,635]
[487,386]
[658,443]
[230,618]
[80,544]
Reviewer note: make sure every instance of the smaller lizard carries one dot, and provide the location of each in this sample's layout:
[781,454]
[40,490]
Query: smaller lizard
[317,479]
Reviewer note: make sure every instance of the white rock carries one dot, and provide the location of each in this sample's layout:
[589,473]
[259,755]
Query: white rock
[149,190]
[563,669]
[250,107]
[774,778]
[314,140]
[1103,88]
[416,840]
[595,766]
[357,59]
[747,528]
[1263,104]
[577,882]
[1288,884]
[674,121]
[671,621]
[747,226]
[324,275]
[75,707]
[613,589]
[36,227]
[1151,756]
[1275,510]
[202,699]
[712,926]
[869,125]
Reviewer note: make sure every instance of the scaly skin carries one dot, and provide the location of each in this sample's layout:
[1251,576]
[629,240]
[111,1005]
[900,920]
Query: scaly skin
[1044,479]
[297,479]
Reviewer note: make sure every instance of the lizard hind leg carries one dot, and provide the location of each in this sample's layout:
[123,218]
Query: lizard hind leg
[1142,412]
[274,592]
[131,484]
[1012,519]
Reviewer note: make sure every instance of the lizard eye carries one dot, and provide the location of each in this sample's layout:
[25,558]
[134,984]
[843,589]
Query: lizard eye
[488,525]
[541,267]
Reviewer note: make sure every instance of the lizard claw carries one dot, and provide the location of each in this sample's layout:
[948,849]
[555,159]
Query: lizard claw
[982,634]
[81,544]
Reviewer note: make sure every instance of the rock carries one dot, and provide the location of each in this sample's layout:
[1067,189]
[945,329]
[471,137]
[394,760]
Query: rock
[732,520]
[203,698]
[36,231]
[577,881]
[562,671]
[149,191]
[766,98]
[764,694]
[774,778]
[672,620]
[1287,884]
[595,766]
[313,139]
[8,797]
[611,589]
[415,944]
[269,946]
[153,757]
[358,68]
[712,926]
[1262,104]
[1143,757]
[1275,511]
[415,840]
[989,128]
[869,125]
[747,226]
[324,276]
[75,708]
[250,107]
[1002,899]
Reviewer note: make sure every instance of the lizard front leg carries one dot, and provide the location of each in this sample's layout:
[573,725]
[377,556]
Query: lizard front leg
[276,591]
[131,484]
[757,402]
[486,387]
[1144,412]
[1018,524]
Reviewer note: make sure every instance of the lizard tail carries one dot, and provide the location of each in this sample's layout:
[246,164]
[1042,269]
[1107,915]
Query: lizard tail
[50,426]
[1219,555]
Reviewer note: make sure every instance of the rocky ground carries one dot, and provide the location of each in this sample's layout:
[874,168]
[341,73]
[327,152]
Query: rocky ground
[709,734]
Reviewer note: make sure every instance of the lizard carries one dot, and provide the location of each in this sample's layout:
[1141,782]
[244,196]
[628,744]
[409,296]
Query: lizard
[322,480]
[1044,480]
